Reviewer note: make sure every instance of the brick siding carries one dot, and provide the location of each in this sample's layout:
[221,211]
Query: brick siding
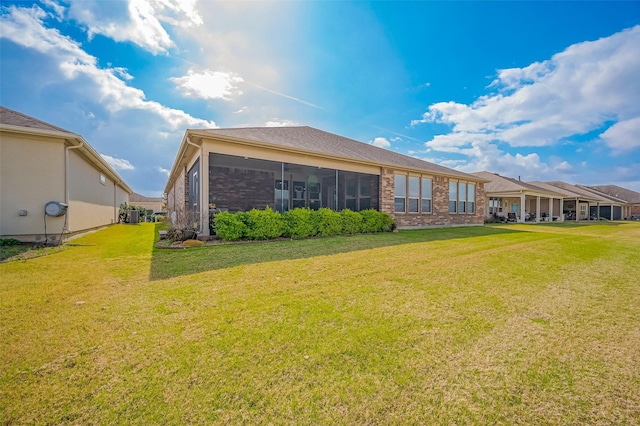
[440,215]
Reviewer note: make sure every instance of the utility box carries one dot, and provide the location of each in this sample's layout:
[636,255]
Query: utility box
[134,216]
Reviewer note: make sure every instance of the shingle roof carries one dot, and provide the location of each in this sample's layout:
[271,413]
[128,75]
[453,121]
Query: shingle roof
[579,192]
[142,198]
[321,142]
[619,192]
[506,184]
[15,118]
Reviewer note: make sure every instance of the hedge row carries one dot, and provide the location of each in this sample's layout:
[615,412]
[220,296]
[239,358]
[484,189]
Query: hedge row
[298,223]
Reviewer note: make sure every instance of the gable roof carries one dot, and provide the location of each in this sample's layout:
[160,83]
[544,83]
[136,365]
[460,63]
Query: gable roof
[578,192]
[619,192]
[18,119]
[503,184]
[310,139]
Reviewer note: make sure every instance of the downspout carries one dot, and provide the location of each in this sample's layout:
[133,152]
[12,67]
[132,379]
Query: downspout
[66,178]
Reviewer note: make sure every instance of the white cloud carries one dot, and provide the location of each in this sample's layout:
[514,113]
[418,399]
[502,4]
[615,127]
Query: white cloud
[623,136]
[280,123]
[575,92]
[117,163]
[163,170]
[381,143]
[208,84]
[140,23]
[25,27]
[58,9]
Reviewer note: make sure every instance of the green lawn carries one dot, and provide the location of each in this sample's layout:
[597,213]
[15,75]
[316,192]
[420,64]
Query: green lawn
[504,324]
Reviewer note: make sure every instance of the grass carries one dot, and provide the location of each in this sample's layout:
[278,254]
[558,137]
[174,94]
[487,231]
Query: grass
[504,324]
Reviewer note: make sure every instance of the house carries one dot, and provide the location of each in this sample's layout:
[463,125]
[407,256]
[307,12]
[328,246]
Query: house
[557,201]
[155,204]
[630,198]
[519,201]
[288,167]
[53,184]
[583,203]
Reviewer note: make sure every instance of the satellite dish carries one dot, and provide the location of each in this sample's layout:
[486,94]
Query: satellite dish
[55,208]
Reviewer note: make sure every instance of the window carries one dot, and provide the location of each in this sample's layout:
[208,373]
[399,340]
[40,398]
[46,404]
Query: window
[103,179]
[453,196]
[426,195]
[400,193]
[414,194]
[462,197]
[471,198]
[495,205]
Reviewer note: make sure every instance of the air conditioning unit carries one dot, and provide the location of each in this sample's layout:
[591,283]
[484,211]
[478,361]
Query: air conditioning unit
[134,216]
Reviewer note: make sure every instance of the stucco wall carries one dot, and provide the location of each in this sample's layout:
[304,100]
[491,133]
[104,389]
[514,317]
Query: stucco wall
[92,203]
[439,215]
[31,174]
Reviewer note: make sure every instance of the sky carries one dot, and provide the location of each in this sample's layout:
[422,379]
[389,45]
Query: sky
[538,90]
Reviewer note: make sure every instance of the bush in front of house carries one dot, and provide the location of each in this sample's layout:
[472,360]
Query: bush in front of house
[298,223]
[328,222]
[230,226]
[263,224]
[375,221]
[351,222]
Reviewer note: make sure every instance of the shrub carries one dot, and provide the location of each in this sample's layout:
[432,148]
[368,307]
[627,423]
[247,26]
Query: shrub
[264,224]
[351,222]
[328,222]
[4,242]
[229,226]
[375,221]
[181,234]
[299,223]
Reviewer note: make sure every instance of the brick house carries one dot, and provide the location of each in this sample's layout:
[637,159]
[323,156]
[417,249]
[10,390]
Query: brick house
[288,167]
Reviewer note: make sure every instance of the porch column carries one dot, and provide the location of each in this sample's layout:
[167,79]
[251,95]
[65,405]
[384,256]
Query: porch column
[577,209]
[522,200]
[611,213]
[538,209]
[561,213]
[551,209]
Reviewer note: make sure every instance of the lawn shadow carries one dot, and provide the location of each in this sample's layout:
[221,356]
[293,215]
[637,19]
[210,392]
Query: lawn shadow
[169,263]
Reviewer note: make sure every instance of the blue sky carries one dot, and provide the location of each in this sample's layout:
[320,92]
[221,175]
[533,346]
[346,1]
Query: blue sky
[542,90]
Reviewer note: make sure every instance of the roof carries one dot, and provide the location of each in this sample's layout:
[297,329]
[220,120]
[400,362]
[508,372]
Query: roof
[506,184]
[318,141]
[566,193]
[141,198]
[15,118]
[578,192]
[619,192]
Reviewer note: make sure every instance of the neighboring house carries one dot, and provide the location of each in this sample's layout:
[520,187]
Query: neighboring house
[287,167]
[42,165]
[519,201]
[156,204]
[631,198]
[556,200]
[582,203]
